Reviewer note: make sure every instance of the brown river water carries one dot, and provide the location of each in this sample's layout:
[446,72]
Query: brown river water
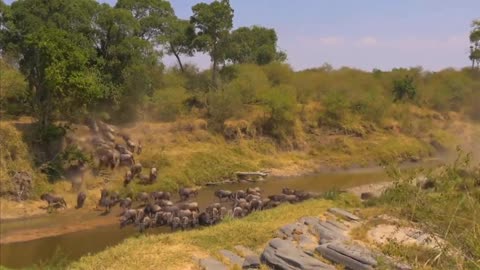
[75,233]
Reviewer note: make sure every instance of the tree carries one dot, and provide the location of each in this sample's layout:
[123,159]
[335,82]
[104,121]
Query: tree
[254,45]
[52,40]
[404,89]
[475,44]
[178,39]
[152,15]
[212,23]
[130,63]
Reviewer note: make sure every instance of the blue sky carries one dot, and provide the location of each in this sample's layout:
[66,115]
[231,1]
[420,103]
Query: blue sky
[364,34]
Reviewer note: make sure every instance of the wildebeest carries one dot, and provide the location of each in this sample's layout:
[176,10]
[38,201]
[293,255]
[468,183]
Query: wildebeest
[160,195]
[127,160]
[108,158]
[53,200]
[136,169]
[142,197]
[81,199]
[192,206]
[223,194]
[128,178]
[187,193]
[139,148]
[153,175]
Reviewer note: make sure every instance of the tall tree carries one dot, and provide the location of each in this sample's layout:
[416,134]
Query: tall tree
[213,23]
[475,44]
[178,39]
[52,40]
[152,15]
[128,59]
[254,45]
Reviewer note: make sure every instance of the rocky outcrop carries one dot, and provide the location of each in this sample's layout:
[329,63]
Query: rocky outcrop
[211,264]
[351,256]
[284,255]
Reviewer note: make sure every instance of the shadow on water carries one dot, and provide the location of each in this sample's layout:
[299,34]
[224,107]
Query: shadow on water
[92,240]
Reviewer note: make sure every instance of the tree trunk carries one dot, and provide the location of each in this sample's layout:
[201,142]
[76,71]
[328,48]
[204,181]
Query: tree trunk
[214,72]
[178,58]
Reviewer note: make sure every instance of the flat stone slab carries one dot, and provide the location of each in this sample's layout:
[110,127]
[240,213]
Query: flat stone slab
[344,214]
[251,262]
[342,259]
[328,233]
[309,220]
[232,258]
[358,253]
[244,251]
[290,230]
[212,264]
[284,255]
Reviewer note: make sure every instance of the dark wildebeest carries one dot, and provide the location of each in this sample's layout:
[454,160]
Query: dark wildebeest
[160,195]
[81,199]
[192,206]
[127,160]
[153,175]
[136,169]
[53,200]
[128,178]
[139,148]
[223,194]
[142,197]
[187,193]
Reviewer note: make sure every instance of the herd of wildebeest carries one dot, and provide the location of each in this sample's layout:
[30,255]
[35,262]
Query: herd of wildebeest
[147,210]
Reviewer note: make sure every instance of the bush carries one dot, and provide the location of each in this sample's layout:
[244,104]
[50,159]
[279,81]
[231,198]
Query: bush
[250,82]
[223,105]
[278,73]
[167,104]
[14,96]
[404,89]
[280,103]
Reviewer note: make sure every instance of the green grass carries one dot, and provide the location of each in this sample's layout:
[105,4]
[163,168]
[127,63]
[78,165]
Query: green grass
[162,251]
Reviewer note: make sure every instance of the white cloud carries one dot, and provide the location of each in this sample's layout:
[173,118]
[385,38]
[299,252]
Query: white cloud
[368,41]
[313,41]
[331,41]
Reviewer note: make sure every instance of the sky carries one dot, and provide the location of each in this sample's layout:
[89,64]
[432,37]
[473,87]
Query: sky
[364,34]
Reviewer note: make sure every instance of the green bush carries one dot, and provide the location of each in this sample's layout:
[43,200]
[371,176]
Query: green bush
[250,82]
[169,103]
[223,105]
[280,103]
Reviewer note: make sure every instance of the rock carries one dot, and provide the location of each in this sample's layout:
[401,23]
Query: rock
[358,253]
[290,230]
[344,214]
[328,233]
[251,262]
[309,220]
[337,224]
[232,258]
[244,251]
[282,254]
[342,259]
[212,264]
